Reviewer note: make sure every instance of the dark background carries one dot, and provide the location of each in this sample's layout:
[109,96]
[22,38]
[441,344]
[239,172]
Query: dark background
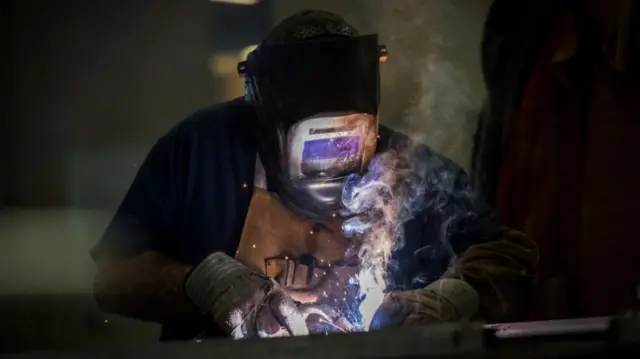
[90,85]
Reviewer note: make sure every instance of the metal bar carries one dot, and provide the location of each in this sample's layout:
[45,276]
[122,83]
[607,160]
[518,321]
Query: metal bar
[551,327]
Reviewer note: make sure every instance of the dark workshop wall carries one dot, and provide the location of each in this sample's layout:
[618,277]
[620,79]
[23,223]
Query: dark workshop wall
[5,100]
[92,85]
[97,82]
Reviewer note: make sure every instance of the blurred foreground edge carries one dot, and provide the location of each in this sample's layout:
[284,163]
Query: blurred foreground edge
[573,338]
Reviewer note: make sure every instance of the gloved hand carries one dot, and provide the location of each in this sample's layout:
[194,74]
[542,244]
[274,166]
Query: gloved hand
[242,301]
[445,300]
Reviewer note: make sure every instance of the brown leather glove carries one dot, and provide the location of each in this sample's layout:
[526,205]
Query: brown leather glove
[491,281]
[503,272]
[445,300]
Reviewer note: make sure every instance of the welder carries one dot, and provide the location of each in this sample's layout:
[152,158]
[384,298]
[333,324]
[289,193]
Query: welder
[234,194]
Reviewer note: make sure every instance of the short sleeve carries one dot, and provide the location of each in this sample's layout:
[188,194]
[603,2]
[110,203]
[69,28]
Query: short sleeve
[145,220]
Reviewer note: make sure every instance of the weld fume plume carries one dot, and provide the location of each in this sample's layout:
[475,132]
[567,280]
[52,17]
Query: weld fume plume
[378,197]
[403,181]
[399,184]
[432,85]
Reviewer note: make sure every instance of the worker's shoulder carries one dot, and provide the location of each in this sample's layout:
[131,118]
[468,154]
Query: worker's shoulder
[224,120]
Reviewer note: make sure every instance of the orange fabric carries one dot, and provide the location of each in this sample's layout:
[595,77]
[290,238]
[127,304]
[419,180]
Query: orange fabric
[274,240]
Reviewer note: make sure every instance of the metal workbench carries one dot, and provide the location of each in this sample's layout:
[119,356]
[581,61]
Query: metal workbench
[579,338]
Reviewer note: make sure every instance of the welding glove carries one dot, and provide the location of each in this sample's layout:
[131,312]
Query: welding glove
[445,300]
[490,281]
[503,272]
[242,301]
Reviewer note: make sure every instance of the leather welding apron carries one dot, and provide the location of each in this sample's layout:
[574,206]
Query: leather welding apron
[313,263]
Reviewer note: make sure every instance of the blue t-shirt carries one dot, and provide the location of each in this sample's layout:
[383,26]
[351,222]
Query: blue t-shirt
[191,195]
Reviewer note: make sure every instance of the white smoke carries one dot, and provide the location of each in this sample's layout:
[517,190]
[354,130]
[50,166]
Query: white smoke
[432,84]
[378,197]
[401,182]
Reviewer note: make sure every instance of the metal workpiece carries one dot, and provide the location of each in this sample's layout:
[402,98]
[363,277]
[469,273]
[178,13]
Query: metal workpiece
[552,328]
[601,337]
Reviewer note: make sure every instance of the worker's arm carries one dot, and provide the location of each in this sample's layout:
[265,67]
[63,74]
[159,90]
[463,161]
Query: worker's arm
[502,272]
[140,275]
[153,287]
[495,262]
[136,275]
[148,286]
[489,281]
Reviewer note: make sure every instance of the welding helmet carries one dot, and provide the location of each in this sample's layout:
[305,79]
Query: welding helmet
[315,85]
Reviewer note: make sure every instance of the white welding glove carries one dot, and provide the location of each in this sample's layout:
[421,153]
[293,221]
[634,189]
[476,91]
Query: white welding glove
[242,301]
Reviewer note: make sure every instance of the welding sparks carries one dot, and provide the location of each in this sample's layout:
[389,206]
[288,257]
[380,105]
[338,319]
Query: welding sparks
[235,322]
[295,318]
[372,286]
[368,196]
[378,201]
[324,321]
